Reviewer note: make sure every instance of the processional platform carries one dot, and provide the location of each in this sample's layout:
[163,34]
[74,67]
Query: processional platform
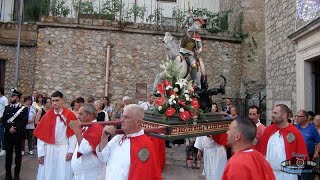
[209,124]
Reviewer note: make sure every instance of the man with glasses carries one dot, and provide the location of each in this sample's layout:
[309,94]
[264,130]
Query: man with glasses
[281,141]
[310,135]
[56,141]
[254,116]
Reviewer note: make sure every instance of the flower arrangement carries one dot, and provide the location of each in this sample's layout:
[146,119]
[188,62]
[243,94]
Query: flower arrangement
[177,95]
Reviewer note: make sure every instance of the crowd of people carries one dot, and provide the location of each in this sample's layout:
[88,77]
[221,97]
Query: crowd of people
[66,150]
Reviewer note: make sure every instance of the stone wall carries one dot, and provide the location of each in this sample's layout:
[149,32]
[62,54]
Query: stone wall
[74,61]
[8,41]
[26,67]
[280,53]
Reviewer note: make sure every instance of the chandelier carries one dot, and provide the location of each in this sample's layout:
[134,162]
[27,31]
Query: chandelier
[308,9]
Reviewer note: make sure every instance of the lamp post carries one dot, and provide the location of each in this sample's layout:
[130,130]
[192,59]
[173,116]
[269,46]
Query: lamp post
[18,45]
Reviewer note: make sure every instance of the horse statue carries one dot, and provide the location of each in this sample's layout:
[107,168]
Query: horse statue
[203,94]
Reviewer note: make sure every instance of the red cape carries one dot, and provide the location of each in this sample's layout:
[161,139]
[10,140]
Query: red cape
[93,136]
[298,146]
[160,147]
[248,165]
[220,139]
[45,130]
[147,170]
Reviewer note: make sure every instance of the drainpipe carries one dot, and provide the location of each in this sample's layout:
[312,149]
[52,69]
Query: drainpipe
[106,91]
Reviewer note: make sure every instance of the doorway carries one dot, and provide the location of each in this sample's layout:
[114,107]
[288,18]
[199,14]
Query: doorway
[2,72]
[316,89]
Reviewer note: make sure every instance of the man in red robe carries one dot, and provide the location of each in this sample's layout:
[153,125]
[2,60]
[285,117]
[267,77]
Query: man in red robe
[254,115]
[282,141]
[131,155]
[56,141]
[246,163]
[85,163]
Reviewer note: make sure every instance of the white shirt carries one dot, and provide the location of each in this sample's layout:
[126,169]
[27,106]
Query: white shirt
[31,114]
[88,160]
[3,103]
[117,157]
[146,106]
[60,137]
[275,155]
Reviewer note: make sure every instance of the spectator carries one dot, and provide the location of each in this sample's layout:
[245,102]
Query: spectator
[227,109]
[102,116]
[214,107]
[30,126]
[119,110]
[148,105]
[3,103]
[316,122]
[127,100]
[233,112]
[38,103]
[107,106]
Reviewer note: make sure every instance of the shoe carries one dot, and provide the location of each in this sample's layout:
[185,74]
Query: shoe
[31,152]
[8,178]
[22,153]
[2,152]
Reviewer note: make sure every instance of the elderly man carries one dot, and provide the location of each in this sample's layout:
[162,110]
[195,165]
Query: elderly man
[85,163]
[56,141]
[281,141]
[131,155]
[254,116]
[246,163]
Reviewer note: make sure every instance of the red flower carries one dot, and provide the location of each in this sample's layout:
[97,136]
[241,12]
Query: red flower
[170,111]
[194,103]
[160,101]
[161,88]
[166,83]
[173,93]
[182,103]
[184,115]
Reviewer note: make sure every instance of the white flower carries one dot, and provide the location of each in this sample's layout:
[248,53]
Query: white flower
[181,82]
[189,85]
[160,108]
[172,96]
[187,98]
[186,91]
[181,110]
[174,102]
[170,101]
[168,87]
[175,89]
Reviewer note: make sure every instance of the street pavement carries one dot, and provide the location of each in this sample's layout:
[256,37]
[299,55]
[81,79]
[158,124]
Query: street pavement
[175,168]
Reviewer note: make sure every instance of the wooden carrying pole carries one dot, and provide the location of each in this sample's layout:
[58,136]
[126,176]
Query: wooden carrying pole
[159,130]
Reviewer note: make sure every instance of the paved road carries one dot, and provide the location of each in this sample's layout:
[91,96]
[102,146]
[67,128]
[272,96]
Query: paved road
[175,166]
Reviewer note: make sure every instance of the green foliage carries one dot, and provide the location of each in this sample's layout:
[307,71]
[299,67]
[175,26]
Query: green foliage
[111,8]
[59,8]
[178,15]
[156,17]
[86,7]
[216,22]
[135,11]
[32,10]
[239,32]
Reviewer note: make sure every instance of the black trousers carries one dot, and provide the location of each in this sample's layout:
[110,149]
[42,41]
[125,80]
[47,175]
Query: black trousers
[13,141]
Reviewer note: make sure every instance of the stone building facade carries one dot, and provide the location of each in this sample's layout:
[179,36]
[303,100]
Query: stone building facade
[71,55]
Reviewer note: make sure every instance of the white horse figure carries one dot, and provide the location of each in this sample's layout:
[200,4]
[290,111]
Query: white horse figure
[171,48]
